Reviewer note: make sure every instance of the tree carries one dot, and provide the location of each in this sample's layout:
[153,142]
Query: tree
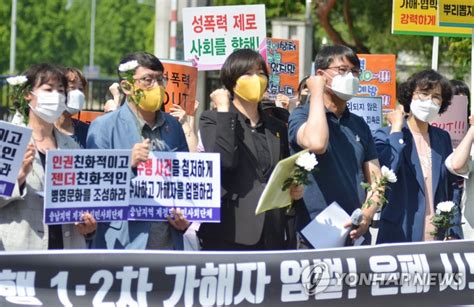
[47,31]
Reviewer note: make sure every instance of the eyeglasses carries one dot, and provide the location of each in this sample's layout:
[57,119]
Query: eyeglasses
[149,81]
[436,98]
[342,70]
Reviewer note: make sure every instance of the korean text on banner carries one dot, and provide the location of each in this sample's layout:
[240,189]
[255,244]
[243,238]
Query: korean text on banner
[79,181]
[456,13]
[378,78]
[283,62]
[420,18]
[181,86]
[167,180]
[454,120]
[212,33]
[369,108]
[13,143]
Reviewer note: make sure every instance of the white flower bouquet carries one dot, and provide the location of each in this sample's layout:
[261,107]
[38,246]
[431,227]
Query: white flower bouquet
[442,220]
[388,176]
[19,90]
[304,165]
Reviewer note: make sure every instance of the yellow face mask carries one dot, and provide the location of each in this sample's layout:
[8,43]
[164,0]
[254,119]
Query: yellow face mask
[251,88]
[152,99]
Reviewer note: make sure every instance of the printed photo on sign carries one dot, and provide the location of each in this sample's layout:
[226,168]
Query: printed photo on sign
[212,33]
[369,108]
[167,180]
[13,143]
[79,181]
[181,86]
[454,120]
[283,64]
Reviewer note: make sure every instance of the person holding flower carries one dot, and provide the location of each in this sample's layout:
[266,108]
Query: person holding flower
[40,103]
[139,125]
[250,144]
[341,141]
[416,152]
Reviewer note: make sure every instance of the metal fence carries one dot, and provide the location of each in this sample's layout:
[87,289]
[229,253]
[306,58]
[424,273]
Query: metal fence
[98,94]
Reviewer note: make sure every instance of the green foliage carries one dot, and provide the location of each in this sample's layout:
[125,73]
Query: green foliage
[47,31]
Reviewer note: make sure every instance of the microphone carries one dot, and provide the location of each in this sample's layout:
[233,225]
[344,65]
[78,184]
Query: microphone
[356,219]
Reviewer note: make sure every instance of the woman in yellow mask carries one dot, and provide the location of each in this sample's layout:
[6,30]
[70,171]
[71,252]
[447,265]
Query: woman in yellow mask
[250,144]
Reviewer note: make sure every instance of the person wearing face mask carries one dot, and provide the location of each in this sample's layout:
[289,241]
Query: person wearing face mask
[21,215]
[250,144]
[139,125]
[74,103]
[416,152]
[341,141]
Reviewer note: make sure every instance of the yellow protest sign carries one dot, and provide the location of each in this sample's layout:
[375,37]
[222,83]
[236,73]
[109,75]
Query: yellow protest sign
[456,13]
[420,17]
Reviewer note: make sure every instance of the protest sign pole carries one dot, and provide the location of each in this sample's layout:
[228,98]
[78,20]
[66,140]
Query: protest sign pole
[472,69]
[434,56]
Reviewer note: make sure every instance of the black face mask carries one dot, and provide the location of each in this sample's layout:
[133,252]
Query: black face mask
[304,99]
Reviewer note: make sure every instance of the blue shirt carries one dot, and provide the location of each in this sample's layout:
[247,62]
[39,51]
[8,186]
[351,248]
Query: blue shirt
[340,169]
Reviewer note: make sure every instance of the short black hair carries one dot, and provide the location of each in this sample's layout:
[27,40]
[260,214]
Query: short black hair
[237,64]
[302,85]
[328,54]
[424,80]
[77,74]
[460,88]
[39,74]
[144,59]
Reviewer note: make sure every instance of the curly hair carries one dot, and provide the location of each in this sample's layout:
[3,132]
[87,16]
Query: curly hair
[424,80]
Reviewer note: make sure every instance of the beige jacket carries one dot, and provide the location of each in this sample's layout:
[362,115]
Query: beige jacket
[21,216]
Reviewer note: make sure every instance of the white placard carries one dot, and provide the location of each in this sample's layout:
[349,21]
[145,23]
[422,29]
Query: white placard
[369,108]
[86,180]
[13,142]
[184,180]
[212,33]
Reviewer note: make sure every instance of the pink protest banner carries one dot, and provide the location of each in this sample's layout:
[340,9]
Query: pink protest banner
[454,120]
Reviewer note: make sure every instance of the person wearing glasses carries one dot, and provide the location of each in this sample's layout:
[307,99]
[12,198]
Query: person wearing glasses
[139,125]
[341,141]
[416,152]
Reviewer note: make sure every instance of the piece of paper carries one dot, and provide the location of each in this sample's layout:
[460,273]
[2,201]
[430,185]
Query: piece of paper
[273,197]
[327,229]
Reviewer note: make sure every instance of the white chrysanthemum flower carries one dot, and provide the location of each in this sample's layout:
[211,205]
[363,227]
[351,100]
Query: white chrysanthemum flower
[18,80]
[445,206]
[307,161]
[389,174]
[130,65]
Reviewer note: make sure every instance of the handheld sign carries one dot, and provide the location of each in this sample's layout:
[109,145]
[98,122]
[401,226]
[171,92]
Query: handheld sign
[167,180]
[79,181]
[13,143]
[212,33]
[454,120]
[369,108]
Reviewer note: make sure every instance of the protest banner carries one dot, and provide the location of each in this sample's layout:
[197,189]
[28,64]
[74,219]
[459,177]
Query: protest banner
[421,18]
[283,66]
[456,13]
[369,108]
[378,78]
[454,120]
[181,86]
[13,143]
[79,181]
[212,33]
[416,274]
[167,180]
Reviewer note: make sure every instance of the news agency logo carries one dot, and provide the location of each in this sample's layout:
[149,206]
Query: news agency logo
[315,278]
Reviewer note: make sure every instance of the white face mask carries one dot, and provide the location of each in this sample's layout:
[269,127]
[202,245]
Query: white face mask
[49,105]
[424,110]
[345,86]
[75,101]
